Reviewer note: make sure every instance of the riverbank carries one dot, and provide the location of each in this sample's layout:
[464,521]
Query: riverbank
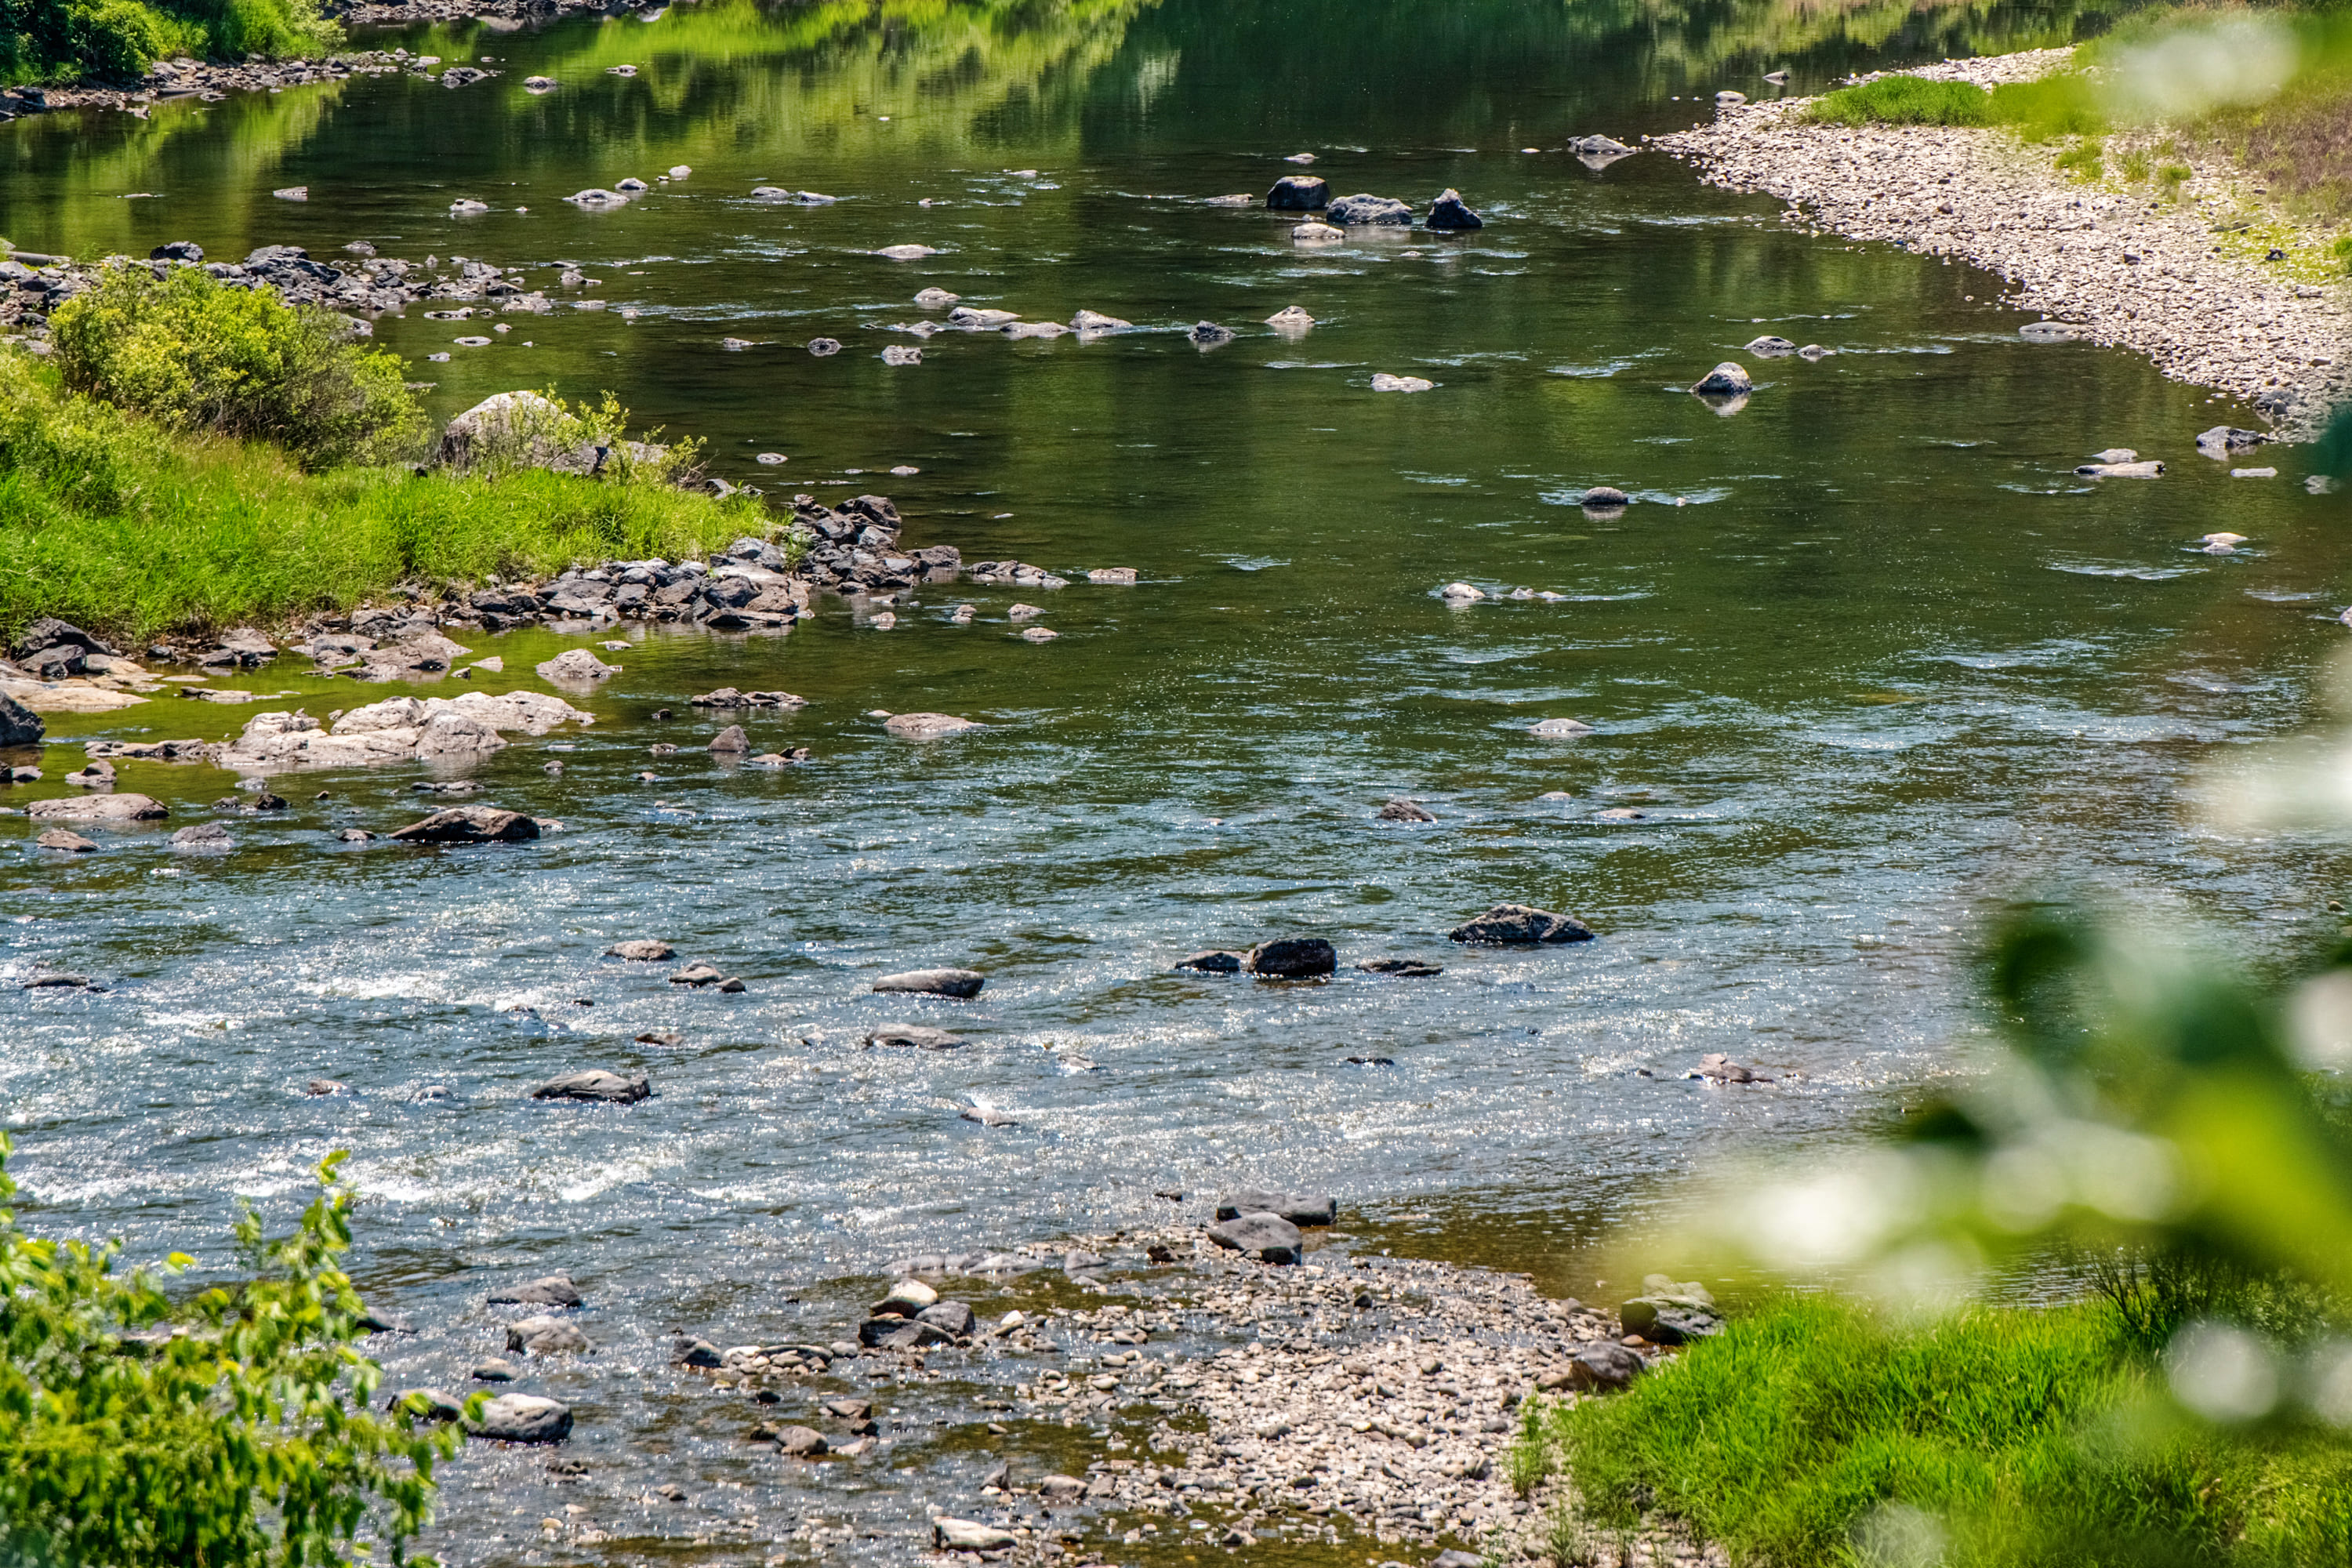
[2211,284]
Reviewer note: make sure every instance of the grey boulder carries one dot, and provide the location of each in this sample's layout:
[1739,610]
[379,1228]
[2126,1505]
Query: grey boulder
[19,725]
[470,825]
[1725,380]
[1298,194]
[597,1085]
[969,1535]
[1448,212]
[1298,1209]
[1366,209]
[98,808]
[952,1316]
[1215,961]
[962,983]
[1268,1238]
[554,1290]
[643,950]
[1293,958]
[1606,1364]
[524,1418]
[914,1037]
[1511,924]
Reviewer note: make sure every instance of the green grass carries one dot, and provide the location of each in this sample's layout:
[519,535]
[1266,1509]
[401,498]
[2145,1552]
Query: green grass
[73,41]
[2058,105]
[122,527]
[2018,1436]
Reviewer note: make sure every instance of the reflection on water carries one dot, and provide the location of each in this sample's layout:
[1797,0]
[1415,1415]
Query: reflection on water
[1860,658]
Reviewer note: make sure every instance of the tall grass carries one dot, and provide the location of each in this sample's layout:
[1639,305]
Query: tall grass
[1811,1433]
[129,530]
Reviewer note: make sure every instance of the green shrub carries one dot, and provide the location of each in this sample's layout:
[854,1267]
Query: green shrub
[1906,101]
[2082,160]
[117,41]
[230,1431]
[194,354]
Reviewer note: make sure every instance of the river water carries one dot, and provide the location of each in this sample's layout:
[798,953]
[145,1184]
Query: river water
[1864,656]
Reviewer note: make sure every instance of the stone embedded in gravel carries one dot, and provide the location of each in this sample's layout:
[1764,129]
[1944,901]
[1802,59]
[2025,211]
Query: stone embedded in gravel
[1402,810]
[914,1037]
[576,664]
[1606,1365]
[523,1418]
[801,1442]
[550,1290]
[643,949]
[1727,380]
[1268,1238]
[1293,958]
[1368,209]
[1455,1558]
[925,726]
[596,1085]
[98,808]
[1297,1208]
[1510,924]
[470,825]
[1214,961]
[969,1535]
[962,983]
[1449,212]
[1298,194]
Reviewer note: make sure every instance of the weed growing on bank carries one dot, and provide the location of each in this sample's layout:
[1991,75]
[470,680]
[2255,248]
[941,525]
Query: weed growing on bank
[62,42]
[1813,1431]
[132,531]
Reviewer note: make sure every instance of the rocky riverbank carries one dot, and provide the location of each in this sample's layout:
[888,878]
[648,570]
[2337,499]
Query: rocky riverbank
[2107,262]
[209,81]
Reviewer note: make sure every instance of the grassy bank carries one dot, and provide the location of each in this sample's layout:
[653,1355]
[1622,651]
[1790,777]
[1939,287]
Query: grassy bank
[74,41]
[1813,1433]
[132,530]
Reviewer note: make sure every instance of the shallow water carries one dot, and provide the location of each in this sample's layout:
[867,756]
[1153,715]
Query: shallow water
[1865,654]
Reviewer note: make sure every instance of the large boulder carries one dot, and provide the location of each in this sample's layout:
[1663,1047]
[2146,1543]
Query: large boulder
[597,1085]
[1729,379]
[49,632]
[1298,194]
[577,665]
[1268,1238]
[1515,924]
[1348,211]
[518,430]
[523,1418]
[98,808]
[961,983]
[1297,1208]
[19,725]
[470,825]
[1448,212]
[1293,958]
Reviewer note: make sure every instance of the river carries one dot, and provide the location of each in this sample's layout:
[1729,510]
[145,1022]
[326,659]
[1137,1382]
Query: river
[1865,658]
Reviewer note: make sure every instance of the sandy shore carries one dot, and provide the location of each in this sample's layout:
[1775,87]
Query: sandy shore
[2179,281]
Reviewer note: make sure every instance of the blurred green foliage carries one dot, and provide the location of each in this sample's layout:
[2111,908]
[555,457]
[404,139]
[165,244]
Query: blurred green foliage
[75,41]
[231,1430]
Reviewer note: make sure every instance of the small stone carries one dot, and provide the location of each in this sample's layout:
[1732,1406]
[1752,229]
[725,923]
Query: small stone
[549,1290]
[1316,1210]
[493,1370]
[731,741]
[1604,498]
[523,1418]
[1727,380]
[596,1085]
[962,983]
[969,1535]
[1268,1238]
[1299,193]
[914,1037]
[801,1442]
[1402,810]
[65,839]
[641,949]
[1449,212]
[1215,961]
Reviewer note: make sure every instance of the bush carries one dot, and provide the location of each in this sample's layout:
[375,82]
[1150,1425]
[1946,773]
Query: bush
[1906,101]
[117,40]
[231,1431]
[195,355]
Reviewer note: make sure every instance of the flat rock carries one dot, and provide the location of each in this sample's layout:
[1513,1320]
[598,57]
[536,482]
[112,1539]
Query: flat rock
[1317,234]
[642,949]
[523,1418]
[1215,961]
[925,726]
[595,1084]
[801,1442]
[470,825]
[1297,1208]
[545,1337]
[1298,194]
[962,983]
[914,1037]
[1402,810]
[552,1291]
[124,807]
[1401,968]
[492,1369]
[969,1535]
[1268,1238]
[1368,209]
[1293,958]
[1517,924]
[1555,729]
[576,664]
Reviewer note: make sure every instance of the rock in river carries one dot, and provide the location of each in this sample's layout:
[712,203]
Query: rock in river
[1725,380]
[1215,961]
[1298,194]
[576,664]
[553,1290]
[1515,924]
[523,1418]
[123,807]
[1555,729]
[595,1084]
[1402,810]
[731,741]
[470,825]
[925,726]
[1293,958]
[801,1442]
[1367,209]
[969,1535]
[914,1037]
[1268,1238]
[1316,1210]
[646,950]
[1317,234]
[19,725]
[1448,211]
[962,983]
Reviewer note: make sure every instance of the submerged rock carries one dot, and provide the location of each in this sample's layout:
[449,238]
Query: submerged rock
[595,1084]
[914,1037]
[1215,961]
[641,949]
[1317,234]
[1515,925]
[926,726]
[575,664]
[1402,810]
[961,983]
[549,1290]
[2148,469]
[1770,347]
[1401,968]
